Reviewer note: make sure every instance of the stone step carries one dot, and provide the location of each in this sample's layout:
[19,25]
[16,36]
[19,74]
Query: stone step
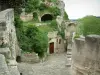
[69,53]
[68,64]
[69,50]
[69,47]
[69,56]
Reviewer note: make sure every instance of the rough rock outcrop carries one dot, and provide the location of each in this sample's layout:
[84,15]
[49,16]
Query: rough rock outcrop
[61,6]
[8,41]
[3,66]
[86,56]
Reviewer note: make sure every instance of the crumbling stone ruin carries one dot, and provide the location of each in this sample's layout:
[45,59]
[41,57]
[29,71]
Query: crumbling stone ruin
[9,48]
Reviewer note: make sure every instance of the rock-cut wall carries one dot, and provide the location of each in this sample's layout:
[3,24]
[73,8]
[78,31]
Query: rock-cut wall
[8,42]
[86,56]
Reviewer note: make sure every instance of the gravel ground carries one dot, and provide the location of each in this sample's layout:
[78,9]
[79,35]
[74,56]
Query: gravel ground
[55,65]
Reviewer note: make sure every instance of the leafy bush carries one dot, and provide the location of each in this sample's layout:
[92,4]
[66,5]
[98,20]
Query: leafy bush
[65,16]
[30,38]
[54,1]
[35,17]
[42,6]
[55,10]
[61,33]
[42,0]
[41,44]
[89,25]
[31,5]
[53,24]
[76,36]
[18,22]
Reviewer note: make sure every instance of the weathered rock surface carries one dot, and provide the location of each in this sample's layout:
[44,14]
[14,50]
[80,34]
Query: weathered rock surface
[3,66]
[6,52]
[13,70]
[8,44]
[86,56]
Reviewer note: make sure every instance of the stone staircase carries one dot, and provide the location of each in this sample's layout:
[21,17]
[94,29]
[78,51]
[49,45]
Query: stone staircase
[69,56]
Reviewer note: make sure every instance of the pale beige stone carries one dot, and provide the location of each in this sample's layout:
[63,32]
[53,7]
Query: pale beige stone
[86,56]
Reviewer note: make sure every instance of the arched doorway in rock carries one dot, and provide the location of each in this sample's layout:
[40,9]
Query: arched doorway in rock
[18,58]
[47,17]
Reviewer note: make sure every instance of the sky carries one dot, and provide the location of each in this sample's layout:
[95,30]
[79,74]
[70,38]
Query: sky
[80,8]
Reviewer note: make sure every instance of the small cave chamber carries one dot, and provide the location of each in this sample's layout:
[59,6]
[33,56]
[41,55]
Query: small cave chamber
[47,17]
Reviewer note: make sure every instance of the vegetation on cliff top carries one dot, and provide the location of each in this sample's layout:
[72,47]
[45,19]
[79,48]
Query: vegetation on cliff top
[34,38]
[88,25]
[31,39]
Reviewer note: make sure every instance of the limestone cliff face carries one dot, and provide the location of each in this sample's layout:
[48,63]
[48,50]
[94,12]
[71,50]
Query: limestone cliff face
[8,39]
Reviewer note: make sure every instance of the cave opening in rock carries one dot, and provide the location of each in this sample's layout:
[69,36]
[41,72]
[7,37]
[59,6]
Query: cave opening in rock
[46,17]
[18,58]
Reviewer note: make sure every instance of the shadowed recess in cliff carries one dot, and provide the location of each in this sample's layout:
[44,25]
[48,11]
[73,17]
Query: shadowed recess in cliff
[18,58]
[47,17]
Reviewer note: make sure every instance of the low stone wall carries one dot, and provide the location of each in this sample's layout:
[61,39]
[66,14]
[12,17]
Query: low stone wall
[86,56]
[30,57]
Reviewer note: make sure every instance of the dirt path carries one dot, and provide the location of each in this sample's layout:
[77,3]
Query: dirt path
[55,65]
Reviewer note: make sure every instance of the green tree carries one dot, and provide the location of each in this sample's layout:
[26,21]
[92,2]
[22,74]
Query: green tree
[53,24]
[31,5]
[65,16]
[41,44]
[30,38]
[89,25]
[55,10]
[54,1]
[42,6]
[18,22]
